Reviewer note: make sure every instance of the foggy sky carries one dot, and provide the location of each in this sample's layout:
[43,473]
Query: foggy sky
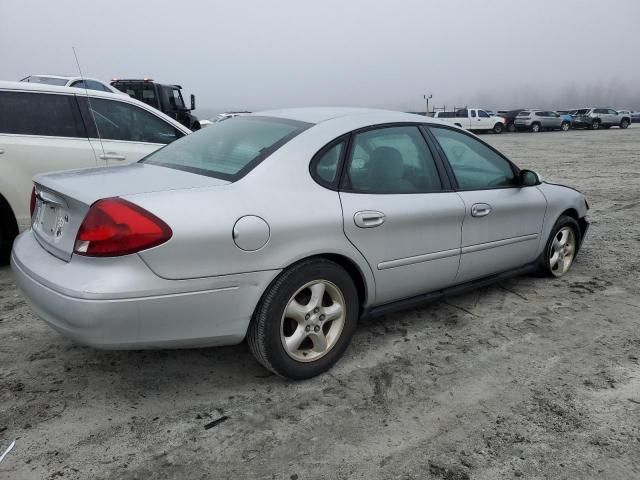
[243,54]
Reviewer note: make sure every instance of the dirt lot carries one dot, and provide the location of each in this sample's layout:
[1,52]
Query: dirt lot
[531,378]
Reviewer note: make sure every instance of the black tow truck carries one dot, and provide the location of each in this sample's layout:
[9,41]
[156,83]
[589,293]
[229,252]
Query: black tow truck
[166,98]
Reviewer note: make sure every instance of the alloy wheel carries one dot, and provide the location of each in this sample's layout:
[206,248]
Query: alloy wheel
[563,251]
[313,321]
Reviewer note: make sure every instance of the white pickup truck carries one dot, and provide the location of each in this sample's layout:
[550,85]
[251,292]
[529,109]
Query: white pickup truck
[474,119]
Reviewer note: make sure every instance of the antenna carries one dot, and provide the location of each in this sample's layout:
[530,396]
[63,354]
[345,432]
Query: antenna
[86,91]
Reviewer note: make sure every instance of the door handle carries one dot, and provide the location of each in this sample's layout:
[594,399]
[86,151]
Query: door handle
[112,156]
[369,219]
[480,209]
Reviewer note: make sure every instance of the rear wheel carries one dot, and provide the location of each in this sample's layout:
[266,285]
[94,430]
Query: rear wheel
[535,128]
[624,123]
[305,321]
[8,231]
[565,126]
[595,125]
[562,247]
[498,128]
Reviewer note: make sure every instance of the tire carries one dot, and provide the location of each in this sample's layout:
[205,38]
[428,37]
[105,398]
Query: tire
[624,123]
[292,291]
[536,127]
[511,127]
[8,231]
[498,128]
[558,266]
[595,125]
[565,126]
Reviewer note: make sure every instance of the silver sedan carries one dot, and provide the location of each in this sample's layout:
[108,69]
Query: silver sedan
[285,227]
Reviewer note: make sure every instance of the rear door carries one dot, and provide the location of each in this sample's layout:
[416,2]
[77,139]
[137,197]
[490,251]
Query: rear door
[502,221]
[399,211]
[122,132]
[39,132]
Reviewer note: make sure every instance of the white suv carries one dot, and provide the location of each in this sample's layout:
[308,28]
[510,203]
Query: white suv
[45,128]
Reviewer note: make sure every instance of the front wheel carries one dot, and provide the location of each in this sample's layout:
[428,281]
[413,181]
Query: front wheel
[624,123]
[562,247]
[565,126]
[305,321]
[498,128]
[595,125]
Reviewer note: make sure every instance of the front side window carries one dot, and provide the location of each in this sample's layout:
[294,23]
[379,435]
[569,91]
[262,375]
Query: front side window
[40,114]
[475,166]
[230,149]
[392,160]
[116,120]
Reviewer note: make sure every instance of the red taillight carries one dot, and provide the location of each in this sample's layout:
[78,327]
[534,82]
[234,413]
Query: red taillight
[116,227]
[32,204]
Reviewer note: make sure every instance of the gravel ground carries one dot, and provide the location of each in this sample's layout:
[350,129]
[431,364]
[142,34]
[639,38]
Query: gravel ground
[530,378]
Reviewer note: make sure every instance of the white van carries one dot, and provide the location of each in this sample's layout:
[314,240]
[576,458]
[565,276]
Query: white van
[45,128]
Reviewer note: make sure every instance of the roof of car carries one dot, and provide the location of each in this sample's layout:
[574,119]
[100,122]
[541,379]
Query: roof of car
[67,77]
[322,114]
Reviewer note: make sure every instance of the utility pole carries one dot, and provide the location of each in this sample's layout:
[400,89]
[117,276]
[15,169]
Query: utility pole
[426,114]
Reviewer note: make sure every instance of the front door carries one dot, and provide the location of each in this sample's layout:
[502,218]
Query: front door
[396,212]
[502,221]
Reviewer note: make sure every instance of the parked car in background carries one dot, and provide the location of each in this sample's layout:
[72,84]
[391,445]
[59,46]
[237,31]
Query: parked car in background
[45,128]
[595,118]
[166,98]
[635,117]
[71,81]
[628,114]
[474,119]
[509,118]
[539,120]
[267,227]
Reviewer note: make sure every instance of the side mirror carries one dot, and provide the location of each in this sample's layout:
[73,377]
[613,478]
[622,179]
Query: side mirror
[529,178]
[193,102]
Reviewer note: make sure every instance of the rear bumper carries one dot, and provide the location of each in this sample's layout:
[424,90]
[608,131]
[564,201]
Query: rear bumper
[120,304]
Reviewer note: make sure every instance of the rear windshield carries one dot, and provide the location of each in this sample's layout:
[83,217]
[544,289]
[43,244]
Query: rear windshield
[47,80]
[228,150]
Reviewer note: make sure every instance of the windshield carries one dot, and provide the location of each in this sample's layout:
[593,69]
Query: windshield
[228,150]
[61,82]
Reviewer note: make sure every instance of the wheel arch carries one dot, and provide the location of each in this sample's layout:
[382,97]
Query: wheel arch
[364,289]
[582,222]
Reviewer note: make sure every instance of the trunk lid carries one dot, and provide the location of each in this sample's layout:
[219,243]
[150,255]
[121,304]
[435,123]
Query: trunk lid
[64,198]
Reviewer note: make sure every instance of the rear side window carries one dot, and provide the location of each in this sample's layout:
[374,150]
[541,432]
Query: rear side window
[229,149]
[483,114]
[391,160]
[116,120]
[540,114]
[325,165]
[40,114]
